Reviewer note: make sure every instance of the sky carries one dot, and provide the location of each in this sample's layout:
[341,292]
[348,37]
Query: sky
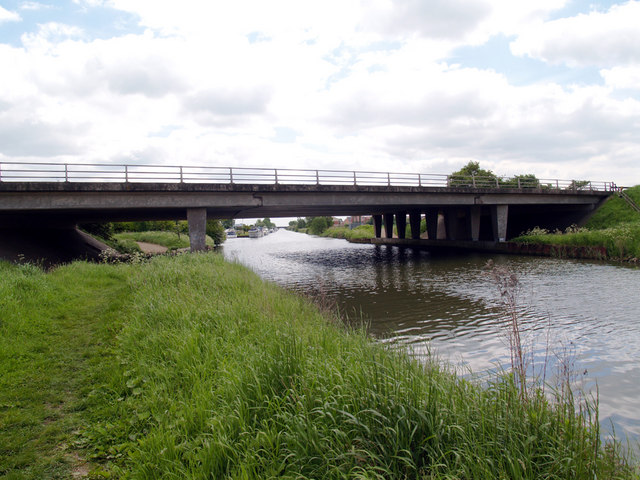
[549,87]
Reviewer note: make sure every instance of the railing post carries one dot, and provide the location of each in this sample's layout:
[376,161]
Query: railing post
[519,183]
[473,180]
[557,184]
[0,172]
[126,174]
[66,172]
[497,182]
[231,175]
[275,171]
[419,179]
[181,177]
[317,178]
[355,179]
[388,179]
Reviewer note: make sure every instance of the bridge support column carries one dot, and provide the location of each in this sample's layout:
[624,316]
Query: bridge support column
[388,225]
[431,216]
[401,224]
[451,223]
[377,225]
[499,214]
[414,221]
[197,219]
[475,222]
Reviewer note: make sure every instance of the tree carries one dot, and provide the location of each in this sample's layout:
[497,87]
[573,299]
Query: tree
[216,231]
[318,225]
[228,222]
[471,175]
[528,180]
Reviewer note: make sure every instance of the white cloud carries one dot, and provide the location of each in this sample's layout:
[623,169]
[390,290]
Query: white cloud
[597,38]
[7,16]
[34,6]
[363,85]
[622,77]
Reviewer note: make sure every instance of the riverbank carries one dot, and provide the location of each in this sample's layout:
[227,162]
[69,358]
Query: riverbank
[191,366]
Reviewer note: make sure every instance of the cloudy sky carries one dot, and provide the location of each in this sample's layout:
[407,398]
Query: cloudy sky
[550,87]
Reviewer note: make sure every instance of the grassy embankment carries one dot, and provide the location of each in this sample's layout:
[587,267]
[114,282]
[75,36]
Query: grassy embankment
[190,367]
[362,231]
[171,240]
[615,226]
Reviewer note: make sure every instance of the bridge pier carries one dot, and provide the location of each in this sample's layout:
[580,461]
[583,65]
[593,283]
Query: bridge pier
[476,211]
[388,225]
[197,219]
[401,224]
[431,216]
[499,214]
[414,221]
[377,225]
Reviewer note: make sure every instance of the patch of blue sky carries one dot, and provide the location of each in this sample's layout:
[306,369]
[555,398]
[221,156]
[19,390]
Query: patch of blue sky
[257,37]
[576,7]
[164,131]
[496,55]
[96,21]
[285,135]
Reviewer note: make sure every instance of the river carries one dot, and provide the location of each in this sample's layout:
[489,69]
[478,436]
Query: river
[579,314]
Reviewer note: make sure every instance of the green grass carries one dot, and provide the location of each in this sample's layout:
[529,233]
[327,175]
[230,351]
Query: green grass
[191,367]
[621,241]
[171,240]
[361,231]
[56,336]
[615,211]
[615,226]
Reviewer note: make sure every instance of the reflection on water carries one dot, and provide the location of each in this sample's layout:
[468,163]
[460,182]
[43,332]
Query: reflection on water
[587,311]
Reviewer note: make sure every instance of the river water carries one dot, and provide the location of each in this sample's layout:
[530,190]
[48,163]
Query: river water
[576,314]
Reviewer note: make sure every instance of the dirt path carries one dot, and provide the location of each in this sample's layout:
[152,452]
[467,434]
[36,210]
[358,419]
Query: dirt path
[151,247]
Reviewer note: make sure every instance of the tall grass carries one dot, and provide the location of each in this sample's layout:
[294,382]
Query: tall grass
[361,231]
[213,373]
[621,241]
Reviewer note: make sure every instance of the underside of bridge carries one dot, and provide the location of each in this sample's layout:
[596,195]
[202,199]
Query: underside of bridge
[51,211]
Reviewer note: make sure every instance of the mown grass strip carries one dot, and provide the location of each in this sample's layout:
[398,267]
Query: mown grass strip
[208,372]
[56,334]
[171,240]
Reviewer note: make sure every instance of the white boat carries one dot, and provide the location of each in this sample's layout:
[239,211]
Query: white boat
[231,233]
[255,233]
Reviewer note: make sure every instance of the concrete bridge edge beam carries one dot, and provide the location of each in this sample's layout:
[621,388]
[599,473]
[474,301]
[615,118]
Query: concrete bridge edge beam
[197,220]
[401,224]
[499,218]
[377,225]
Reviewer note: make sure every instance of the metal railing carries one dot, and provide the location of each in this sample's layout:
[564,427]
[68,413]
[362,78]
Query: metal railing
[101,173]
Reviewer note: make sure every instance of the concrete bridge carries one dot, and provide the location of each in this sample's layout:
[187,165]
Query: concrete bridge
[51,197]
